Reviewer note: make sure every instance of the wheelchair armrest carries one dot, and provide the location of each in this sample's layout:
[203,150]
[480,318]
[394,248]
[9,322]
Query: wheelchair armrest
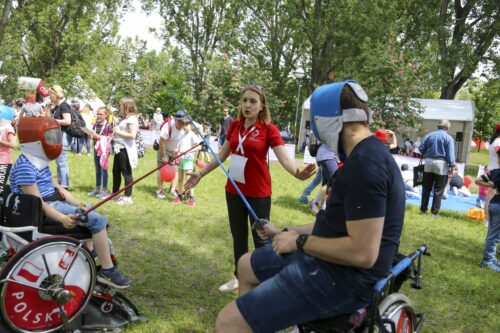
[77,232]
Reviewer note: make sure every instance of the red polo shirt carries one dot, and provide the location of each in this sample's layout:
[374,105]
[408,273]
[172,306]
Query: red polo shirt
[255,146]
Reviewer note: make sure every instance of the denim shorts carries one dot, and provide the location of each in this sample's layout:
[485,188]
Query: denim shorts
[296,289]
[96,222]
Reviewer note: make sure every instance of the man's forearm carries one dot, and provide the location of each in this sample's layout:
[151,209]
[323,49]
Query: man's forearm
[343,251]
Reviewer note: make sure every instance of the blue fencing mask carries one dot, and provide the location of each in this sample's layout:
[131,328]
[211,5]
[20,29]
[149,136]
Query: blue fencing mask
[328,117]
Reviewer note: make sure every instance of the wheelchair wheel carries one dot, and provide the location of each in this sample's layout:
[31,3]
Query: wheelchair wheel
[397,309]
[46,284]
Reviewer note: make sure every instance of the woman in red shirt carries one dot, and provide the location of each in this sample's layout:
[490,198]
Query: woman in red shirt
[248,140]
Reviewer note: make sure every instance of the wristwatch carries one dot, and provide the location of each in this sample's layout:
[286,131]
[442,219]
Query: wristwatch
[301,241]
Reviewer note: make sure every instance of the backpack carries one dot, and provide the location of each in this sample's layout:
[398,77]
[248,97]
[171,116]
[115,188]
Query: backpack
[75,129]
[156,144]
[141,147]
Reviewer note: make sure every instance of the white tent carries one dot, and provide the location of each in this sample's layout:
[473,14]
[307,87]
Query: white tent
[459,113]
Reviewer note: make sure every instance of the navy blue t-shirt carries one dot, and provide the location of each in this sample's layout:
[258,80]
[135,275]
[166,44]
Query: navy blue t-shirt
[368,185]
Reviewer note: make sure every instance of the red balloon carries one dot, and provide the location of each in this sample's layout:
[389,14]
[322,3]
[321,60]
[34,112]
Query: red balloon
[167,173]
[200,164]
[467,181]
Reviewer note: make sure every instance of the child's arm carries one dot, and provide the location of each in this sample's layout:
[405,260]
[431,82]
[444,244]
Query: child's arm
[11,141]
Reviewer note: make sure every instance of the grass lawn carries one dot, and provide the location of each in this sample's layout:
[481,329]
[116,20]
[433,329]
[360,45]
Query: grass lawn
[178,256]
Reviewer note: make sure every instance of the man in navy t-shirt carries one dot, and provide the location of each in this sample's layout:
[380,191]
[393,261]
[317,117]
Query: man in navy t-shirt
[327,268]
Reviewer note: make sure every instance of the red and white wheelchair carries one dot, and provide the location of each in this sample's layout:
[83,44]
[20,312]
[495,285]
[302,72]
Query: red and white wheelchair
[48,282]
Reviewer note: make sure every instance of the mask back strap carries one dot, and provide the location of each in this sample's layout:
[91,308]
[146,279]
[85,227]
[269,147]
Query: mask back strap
[355,115]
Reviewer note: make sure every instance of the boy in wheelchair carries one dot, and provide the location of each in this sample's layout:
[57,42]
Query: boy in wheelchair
[40,142]
[328,268]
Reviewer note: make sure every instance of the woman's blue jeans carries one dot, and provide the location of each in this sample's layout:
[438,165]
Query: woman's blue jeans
[493,234]
[62,161]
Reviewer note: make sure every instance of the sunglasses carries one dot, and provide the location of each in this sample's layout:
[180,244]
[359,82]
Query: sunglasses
[254,87]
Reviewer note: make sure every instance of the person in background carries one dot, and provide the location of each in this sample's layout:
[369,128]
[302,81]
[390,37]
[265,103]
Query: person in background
[482,192]
[438,149]
[249,138]
[7,142]
[189,140]
[393,142]
[205,153]
[62,114]
[171,133]
[328,163]
[102,134]
[411,192]
[408,147]
[224,126]
[125,149]
[304,197]
[31,108]
[456,183]
[89,119]
[493,162]
[492,180]
[157,119]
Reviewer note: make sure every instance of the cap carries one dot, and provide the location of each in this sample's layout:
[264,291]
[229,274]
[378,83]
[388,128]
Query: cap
[179,115]
[498,127]
[382,135]
[6,113]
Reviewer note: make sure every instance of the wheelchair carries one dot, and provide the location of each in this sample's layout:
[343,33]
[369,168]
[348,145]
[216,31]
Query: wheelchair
[389,311]
[48,282]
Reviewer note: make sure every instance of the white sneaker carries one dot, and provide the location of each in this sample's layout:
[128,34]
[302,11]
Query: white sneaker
[125,201]
[160,195]
[229,286]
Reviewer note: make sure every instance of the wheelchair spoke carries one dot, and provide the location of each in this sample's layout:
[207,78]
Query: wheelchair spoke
[23,284]
[46,265]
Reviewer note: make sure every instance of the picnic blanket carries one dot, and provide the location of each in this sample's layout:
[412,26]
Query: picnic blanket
[455,203]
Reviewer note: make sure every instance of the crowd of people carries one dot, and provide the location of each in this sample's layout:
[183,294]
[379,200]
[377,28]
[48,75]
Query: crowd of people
[335,261]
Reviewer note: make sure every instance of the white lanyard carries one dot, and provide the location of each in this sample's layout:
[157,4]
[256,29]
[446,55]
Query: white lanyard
[241,140]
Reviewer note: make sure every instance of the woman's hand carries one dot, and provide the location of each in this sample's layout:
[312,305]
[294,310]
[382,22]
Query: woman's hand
[306,173]
[267,231]
[194,178]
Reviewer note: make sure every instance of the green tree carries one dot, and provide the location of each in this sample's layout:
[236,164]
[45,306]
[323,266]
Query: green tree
[457,35]
[486,97]
[201,27]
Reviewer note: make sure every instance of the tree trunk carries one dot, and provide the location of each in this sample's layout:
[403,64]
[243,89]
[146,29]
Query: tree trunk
[7,9]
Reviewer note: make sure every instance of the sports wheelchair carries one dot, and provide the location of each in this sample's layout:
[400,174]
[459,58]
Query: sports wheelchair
[389,310]
[48,282]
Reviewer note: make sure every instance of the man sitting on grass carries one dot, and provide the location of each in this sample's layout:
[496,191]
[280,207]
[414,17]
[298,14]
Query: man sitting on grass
[327,268]
[41,142]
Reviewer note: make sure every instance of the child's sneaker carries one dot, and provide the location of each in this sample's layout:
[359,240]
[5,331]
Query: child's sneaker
[176,201]
[229,286]
[125,201]
[102,195]
[303,199]
[113,278]
[93,193]
[191,202]
[490,265]
[160,195]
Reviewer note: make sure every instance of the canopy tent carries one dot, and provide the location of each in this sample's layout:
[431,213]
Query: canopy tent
[459,113]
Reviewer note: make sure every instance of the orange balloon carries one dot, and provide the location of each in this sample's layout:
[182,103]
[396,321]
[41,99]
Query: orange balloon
[167,173]
[200,164]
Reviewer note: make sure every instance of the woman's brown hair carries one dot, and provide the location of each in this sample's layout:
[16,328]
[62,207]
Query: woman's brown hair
[264,114]
[129,106]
